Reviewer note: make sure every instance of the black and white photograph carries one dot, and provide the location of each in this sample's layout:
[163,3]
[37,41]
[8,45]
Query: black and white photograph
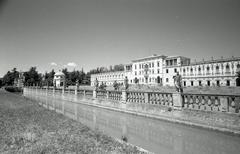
[119,76]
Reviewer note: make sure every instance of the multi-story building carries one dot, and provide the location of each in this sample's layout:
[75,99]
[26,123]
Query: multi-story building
[160,69]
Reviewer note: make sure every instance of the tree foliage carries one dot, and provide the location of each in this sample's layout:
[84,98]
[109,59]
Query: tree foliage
[74,76]
[114,68]
[9,77]
[32,77]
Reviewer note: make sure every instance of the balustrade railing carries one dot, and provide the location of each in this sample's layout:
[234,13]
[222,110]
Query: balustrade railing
[80,91]
[210,102]
[161,98]
[89,93]
[204,102]
[115,95]
[137,97]
[102,94]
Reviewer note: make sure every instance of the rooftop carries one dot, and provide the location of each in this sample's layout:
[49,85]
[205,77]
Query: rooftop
[154,56]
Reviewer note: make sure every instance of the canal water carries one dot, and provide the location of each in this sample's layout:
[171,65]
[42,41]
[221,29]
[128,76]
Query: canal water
[153,135]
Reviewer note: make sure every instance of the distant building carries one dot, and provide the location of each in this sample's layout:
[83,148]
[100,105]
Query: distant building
[160,69]
[59,79]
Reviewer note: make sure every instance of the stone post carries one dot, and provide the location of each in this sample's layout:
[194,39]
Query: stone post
[76,89]
[95,93]
[223,104]
[146,96]
[107,94]
[177,100]
[63,90]
[124,96]
[237,101]
[84,92]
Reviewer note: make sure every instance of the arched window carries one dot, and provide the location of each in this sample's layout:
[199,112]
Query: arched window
[199,70]
[227,69]
[217,69]
[238,66]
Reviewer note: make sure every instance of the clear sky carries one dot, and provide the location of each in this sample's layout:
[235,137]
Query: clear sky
[92,33]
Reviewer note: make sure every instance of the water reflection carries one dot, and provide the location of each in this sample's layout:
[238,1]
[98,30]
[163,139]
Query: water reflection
[154,135]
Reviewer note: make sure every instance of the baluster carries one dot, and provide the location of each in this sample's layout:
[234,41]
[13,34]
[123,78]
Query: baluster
[134,97]
[203,103]
[186,101]
[160,99]
[191,102]
[197,100]
[232,105]
[143,98]
[216,104]
[163,99]
[209,104]
[150,98]
[170,100]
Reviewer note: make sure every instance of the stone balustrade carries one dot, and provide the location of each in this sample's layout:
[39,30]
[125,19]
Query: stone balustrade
[203,102]
[89,93]
[115,95]
[136,97]
[210,102]
[165,99]
[101,94]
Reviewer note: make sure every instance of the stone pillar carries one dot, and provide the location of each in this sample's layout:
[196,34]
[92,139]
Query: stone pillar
[107,94]
[223,104]
[146,96]
[63,90]
[94,93]
[84,92]
[237,101]
[76,90]
[177,100]
[124,96]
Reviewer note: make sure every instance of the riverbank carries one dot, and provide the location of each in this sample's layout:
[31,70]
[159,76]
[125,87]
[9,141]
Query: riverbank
[26,127]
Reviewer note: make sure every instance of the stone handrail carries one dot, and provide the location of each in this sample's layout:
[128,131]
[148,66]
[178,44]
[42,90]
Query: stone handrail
[212,102]
[136,97]
[114,95]
[203,102]
[101,94]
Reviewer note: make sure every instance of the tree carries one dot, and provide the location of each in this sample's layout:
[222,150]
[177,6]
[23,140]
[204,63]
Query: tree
[32,77]
[0,82]
[119,67]
[9,77]
[48,78]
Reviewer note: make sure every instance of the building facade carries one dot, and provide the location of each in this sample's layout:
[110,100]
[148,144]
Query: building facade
[59,79]
[160,69]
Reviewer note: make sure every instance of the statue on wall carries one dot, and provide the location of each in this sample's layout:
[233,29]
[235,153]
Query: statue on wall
[178,82]
[125,83]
